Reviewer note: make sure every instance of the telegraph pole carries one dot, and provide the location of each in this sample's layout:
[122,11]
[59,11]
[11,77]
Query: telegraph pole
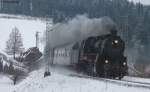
[37,39]
[47,51]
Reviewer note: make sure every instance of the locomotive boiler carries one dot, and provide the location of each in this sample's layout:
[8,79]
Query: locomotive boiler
[103,56]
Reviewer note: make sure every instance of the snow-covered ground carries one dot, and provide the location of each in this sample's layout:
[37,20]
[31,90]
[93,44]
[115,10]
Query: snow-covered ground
[26,25]
[145,2]
[137,79]
[5,84]
[59,82]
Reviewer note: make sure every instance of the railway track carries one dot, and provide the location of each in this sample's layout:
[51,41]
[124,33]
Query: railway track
[127,83]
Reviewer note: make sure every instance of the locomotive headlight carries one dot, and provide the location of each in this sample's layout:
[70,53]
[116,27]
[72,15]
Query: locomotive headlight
[124,63]
[116,41]
[106,61]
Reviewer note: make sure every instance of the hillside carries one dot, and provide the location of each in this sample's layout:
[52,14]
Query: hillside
[27,26]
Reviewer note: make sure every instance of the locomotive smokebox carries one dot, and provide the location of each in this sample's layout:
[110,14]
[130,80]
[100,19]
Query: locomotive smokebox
[113,32]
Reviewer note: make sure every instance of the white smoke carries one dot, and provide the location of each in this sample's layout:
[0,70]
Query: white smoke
[77,29]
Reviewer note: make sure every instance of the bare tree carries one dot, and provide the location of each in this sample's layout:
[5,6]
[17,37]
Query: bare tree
[14,44]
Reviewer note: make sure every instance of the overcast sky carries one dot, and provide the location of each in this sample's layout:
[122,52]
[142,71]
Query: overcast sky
[146,2]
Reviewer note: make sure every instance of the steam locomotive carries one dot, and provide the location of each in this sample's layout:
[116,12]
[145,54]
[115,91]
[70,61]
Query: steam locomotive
[103,56]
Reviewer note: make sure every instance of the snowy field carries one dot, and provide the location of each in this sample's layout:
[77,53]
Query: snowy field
[145,2]
[27,26]
[62,83]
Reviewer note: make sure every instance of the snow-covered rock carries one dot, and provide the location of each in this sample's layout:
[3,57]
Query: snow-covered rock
[6,60]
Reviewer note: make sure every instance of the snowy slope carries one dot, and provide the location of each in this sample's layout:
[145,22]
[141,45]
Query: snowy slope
[27,26]
[62,83]
[14,16]
[6,59]
[59,81]
[145,2]
[137,79]
[5,84]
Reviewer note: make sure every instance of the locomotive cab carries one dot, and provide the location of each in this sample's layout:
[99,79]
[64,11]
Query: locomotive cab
[87,56]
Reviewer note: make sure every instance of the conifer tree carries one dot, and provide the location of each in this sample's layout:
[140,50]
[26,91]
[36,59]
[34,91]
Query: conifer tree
[14,45]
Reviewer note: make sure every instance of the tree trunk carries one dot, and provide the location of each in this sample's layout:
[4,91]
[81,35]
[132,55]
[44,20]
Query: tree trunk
[14,54]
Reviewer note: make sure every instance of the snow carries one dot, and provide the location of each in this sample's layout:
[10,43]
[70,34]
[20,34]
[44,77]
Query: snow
[6,60]
[145,2]
[5,84]
[62,83]
[137,79]
[27,27]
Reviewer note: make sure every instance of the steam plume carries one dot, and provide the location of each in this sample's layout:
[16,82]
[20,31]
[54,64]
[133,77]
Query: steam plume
[77,29]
